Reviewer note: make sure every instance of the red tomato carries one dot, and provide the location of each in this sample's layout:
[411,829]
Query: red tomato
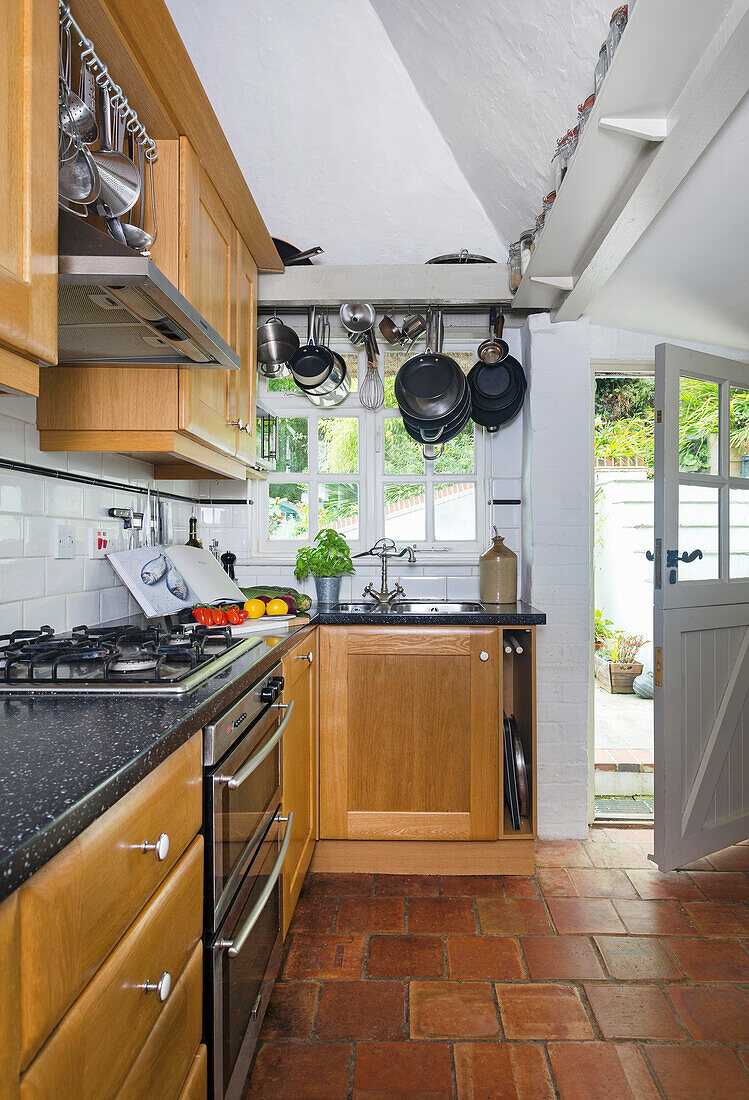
[219,616]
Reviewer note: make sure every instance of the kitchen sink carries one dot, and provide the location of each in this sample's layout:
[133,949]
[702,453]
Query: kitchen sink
[413,607]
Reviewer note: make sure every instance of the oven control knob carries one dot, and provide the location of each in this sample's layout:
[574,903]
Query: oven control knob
[268,693]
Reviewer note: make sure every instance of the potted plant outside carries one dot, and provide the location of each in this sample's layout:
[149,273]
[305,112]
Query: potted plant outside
[616,667]
[327,561]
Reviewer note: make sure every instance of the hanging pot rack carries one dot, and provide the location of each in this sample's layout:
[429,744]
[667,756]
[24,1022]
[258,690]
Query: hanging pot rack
[100,73]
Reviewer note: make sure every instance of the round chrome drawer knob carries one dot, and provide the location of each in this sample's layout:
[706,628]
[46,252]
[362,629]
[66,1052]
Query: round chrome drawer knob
[162,988]
[483,655]
[305,657]
[161,847]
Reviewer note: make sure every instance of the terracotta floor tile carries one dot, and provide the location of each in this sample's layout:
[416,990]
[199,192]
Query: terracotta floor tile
[412,886]
[301,1071]
[473,886]
[722,885]
[655,918]
[362,1010]
[697,865]
[657,885]
[452,1010]
[514,917]
[484,958]
[719,918]
[602,883]
[403,1069]
[542,1011]
[731,859]
[371,915]
[555,882]
[590,1071]
[561,853]
[291,1011]
[325,956]
[336,884]
[501,1071]
[623,854]
[561,957]
[518,886]
[625,1012]
[711,960]
[405,956]
[313,914]
[584,915]
[637,958]
[698,1073]
[713,1014]
[644,837]
[441,915]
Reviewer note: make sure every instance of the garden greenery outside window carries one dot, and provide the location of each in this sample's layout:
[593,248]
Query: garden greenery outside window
[358,472]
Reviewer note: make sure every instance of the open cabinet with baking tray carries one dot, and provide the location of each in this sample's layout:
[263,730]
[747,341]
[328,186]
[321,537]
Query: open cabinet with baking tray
[518,729]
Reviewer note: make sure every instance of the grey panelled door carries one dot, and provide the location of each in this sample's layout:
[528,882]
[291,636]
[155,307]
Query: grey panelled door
[701,604]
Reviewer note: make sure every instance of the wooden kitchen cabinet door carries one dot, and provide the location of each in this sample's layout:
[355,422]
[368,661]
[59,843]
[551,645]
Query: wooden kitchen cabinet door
[244,381]
[28,183]
[208,273]
[10,998]
[409,733]
[300,671]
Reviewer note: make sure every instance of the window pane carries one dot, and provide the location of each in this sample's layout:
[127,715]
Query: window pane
[402,454]
[394,360]
[288,511]
[405,512]
[338,507]
[698,426]
[458,455]
[292,445]
[455,512]
[738,534]
[352,366]
[698,530]
[283,383]
[739,434]
[338,445]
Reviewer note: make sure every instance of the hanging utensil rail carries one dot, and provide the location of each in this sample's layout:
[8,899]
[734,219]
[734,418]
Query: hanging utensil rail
[100,72]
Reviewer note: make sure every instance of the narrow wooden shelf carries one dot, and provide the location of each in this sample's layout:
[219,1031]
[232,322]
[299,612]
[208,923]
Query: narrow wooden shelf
[523,833]
[667,63]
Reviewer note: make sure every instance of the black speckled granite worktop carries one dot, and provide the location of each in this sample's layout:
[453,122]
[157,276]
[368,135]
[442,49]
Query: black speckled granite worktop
[65,759]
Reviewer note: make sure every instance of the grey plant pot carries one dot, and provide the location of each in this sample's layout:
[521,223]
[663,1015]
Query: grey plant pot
[328,589]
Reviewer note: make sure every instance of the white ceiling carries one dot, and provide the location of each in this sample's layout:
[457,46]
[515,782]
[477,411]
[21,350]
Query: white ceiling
[389,132]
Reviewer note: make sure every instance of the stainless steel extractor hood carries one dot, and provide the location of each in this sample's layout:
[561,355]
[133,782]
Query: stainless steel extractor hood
[115,306]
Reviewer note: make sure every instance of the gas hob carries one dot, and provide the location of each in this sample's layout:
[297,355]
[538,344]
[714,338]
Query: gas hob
[153,660]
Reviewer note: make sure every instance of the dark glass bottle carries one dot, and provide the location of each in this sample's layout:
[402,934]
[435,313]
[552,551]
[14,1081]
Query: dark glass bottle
[193,539]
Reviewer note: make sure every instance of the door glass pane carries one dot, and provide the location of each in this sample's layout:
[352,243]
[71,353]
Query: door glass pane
[402,454]
[338,445]
[338,507]
[455,512]
[738,533]
[739,434]
[287,511]
[393,360]
[292,445]
[458,454]
[698,426]
[698,530]
[352,365]
[405,512]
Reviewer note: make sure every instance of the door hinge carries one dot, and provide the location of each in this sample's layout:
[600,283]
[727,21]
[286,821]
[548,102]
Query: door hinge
[658,416]
[658,667]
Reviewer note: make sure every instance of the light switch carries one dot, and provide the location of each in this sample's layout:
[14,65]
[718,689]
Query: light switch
[63,541]
[99,542]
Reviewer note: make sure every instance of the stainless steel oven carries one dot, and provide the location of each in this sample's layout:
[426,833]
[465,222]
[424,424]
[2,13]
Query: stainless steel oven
[245,848]
[242,963]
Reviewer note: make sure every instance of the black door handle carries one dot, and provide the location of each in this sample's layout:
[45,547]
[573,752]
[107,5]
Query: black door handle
[650,555]
[690,557]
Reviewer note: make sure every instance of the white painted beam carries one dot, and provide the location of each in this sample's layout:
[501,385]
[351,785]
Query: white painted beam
[650,129]
[560,282]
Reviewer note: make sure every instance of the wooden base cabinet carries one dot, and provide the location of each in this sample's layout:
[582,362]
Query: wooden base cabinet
[409,733]
[300,672]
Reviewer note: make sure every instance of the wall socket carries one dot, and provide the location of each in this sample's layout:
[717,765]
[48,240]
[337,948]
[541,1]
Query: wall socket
[63,541]
[99,542]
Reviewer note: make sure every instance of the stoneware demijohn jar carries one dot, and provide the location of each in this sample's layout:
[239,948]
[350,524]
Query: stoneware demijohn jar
[498,572]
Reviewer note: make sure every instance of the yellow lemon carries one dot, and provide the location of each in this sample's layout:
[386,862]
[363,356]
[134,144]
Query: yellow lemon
[277,607]
[254,609]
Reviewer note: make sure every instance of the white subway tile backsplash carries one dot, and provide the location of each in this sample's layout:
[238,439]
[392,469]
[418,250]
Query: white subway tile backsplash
[81,609]
[11,617]
[11,536]
[21,493]
[87,463]
[21,578]
[62,498]
[114,603]
[97,573]
[12,438]
[462,588]
[63,575]
[116,468]
[49,611]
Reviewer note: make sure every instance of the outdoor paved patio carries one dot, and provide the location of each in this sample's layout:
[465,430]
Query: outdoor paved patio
[624,729]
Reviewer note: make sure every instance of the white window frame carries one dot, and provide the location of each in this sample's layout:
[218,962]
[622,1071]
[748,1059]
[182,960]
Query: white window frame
[371,458]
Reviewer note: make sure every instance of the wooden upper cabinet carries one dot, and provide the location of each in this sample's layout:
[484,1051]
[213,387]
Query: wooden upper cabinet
[28,183]
[409,733]
[208,274]
[244,383]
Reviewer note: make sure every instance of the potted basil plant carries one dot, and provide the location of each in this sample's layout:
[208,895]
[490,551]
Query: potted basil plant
[326,561]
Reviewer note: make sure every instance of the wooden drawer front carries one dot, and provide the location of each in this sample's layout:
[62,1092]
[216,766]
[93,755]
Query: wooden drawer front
[97,1042]
[10,997]
[196,1085]
[76,909]
[295,663]
[161,1068]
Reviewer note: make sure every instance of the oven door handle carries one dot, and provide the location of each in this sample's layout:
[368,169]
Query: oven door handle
[234,946]
[236,780]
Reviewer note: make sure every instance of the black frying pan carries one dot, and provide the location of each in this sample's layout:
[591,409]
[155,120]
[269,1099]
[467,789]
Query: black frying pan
[312,362]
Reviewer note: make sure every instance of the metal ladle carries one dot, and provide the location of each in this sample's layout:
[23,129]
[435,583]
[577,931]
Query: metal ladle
[135,235]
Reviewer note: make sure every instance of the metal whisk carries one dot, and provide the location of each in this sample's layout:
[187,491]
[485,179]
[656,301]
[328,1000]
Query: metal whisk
[372,392]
